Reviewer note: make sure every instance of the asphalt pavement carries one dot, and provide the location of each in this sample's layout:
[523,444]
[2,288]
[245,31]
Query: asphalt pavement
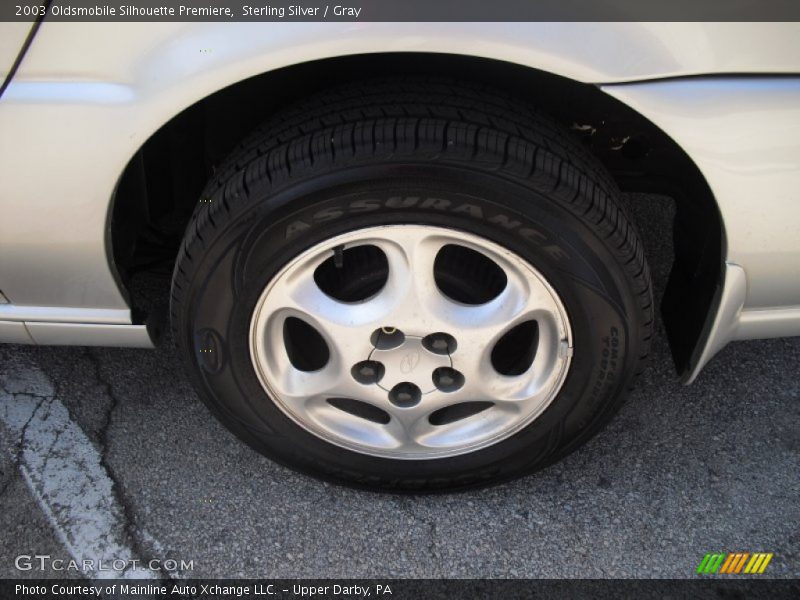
[109,451]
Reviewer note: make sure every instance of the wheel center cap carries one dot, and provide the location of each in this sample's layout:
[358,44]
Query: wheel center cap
[409,362]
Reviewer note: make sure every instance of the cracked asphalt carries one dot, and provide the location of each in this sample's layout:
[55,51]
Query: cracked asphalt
[681,471]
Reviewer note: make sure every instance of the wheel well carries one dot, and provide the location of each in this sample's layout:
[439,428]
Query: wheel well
[162,183]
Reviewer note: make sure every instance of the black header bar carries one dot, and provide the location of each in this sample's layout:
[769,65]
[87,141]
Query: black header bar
[401,10]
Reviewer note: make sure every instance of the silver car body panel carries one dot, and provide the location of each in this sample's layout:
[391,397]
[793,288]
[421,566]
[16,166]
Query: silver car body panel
[744,135]
[14,332]
[90,334]
[11,40]
[88,95]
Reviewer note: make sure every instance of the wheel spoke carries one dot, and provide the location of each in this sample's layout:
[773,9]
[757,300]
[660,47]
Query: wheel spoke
[476,358]
[334,420]
[411,254]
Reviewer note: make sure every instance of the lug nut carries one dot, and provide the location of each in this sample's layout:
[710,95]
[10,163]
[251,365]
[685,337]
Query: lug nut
[367,372]
[386,338]
[439,343]
[405,395]
[447,380]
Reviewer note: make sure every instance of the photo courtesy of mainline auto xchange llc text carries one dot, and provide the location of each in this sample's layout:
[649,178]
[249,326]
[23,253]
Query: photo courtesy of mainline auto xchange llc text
[399,299]
[208,590]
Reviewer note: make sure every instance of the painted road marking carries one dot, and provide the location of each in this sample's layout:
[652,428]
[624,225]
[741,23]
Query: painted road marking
[64,472]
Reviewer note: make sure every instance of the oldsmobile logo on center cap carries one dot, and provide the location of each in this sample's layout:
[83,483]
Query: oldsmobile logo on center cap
[409,362]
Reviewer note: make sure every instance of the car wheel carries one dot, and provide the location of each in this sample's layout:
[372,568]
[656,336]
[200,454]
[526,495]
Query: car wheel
[412,285]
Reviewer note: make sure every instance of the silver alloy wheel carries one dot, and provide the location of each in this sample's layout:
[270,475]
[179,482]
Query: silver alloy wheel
[418,375]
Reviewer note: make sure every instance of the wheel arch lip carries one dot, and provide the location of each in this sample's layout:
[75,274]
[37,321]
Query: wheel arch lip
[743,134]
[731,321]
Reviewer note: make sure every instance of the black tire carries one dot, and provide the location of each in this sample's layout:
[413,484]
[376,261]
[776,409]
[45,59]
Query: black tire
[502,170]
